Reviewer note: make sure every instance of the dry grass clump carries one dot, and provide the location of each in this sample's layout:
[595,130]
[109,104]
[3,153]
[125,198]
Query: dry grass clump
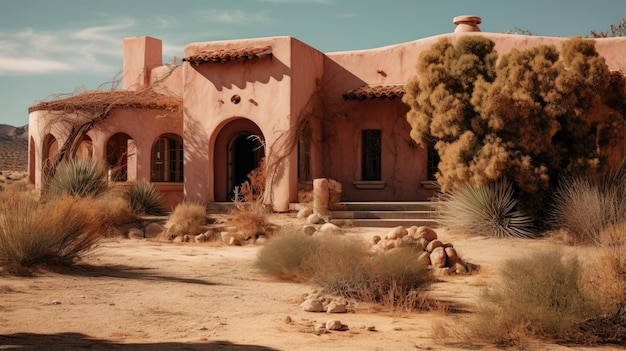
[112,210]
[613,238]
[188,218]
[345,266]
[250,221]
[60,231]
[546,296]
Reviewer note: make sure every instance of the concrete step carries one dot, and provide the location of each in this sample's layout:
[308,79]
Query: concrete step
[387,206]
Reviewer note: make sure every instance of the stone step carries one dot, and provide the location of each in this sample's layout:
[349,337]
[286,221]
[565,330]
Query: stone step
[342,214]
[385,223]
[387,206]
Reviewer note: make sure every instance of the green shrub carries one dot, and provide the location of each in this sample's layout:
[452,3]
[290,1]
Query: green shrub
[145,199]
[345,266]
[488,210]
[188,218]
[79,177]
[57,232]
[541,296]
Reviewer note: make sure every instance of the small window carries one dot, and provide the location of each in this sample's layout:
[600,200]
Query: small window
[167,159]
[371,149]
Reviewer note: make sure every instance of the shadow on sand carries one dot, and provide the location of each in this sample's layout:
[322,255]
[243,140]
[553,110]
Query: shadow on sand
[76,341]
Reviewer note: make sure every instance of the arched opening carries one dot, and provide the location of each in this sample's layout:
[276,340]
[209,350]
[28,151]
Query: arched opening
[31,161]
[238,150]
[167,159]
[85,148]
[117,156]
[49,150]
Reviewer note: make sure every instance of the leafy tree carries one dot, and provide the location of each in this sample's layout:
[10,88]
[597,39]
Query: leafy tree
[535,115]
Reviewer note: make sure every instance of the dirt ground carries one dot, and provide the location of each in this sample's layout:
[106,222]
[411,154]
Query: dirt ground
[147,295]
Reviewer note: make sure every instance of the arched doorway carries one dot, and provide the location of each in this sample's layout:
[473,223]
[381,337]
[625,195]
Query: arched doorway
[117,156]
[49,151]
[238,150]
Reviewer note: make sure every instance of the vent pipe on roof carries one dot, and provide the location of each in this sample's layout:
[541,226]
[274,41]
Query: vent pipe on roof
[467,23]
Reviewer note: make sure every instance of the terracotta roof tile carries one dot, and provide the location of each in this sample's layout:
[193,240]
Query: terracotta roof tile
[226,55]
[374,92]
[96,100]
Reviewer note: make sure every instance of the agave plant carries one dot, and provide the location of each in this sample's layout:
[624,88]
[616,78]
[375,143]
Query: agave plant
[489,210]
[145,199]
[79,177]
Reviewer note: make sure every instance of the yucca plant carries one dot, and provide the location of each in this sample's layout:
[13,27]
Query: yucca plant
[145,199]
[489,210]
[79,177]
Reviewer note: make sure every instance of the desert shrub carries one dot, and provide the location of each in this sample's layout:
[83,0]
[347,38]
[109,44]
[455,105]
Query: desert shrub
[489,210]
[79,177]
[145,199]
[613,238]
[282,257]
[57,232]
[334,194]
[584,207]
[112,210]
[345,266]
[249,221]
[542,296]
[186,218]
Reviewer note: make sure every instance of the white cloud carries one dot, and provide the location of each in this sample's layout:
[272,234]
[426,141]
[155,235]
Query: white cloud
[233,16]
[32,65]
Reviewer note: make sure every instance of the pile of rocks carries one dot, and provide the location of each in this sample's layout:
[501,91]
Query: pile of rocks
[437,254]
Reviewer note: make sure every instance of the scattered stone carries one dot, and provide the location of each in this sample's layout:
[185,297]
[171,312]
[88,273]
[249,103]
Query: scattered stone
[178,239]
[260,240]
[234,241]
[288,320]
[153,230]
[309,229]
[312,305]
[459,268]
[375,239]
[451,255]
[396,233]
[371,328]
[313,219]
[388,244]
[135,233]
[433,245]
[336,307]
[424,258]
[319,329]
[225,236]
[426,233]
[438,257]
[412,231]
[304,213]
[187,238]
[333,324]
[329,228]
[200,238]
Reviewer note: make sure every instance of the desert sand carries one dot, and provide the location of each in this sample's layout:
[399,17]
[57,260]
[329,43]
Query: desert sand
[147,295]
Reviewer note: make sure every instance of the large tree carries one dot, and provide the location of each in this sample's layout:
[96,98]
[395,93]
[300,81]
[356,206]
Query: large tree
[536,114]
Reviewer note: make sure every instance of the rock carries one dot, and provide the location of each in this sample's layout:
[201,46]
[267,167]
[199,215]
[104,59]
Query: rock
[309,229]
[451,255]
[178,239]
[423,242]
[225,236]
[260,240]
[388,244]
[304,213]
[200,238]
[424,258]
[336,307]
[319,329]
[288,320]
[375,239]
[312,305]
[412,231]
[313,219]
[334,324]
[433,245]
[459,268]
[187,238]
[153,230]
[426,233]
[438,257]
[329,228]
[135,233]
[396,233]
[234,241]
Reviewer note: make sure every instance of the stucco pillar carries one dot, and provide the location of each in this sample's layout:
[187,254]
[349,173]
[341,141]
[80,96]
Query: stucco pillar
[320,197]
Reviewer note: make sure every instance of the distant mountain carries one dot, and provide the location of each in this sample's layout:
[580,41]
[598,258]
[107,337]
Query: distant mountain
[13,148]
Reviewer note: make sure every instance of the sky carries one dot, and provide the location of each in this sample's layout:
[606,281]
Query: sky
[63,46]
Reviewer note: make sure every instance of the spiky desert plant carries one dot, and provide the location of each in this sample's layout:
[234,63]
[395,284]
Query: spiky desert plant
[489,210]
[145,199]
[79,177]
[59,231]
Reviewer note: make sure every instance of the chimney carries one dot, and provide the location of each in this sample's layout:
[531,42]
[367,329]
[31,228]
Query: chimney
[467,24]
[141,55]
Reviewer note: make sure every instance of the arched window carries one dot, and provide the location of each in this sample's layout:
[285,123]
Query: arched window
[117,156]
[167,159]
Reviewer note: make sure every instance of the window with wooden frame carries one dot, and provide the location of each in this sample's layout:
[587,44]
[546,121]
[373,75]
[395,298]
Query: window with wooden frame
[167,159]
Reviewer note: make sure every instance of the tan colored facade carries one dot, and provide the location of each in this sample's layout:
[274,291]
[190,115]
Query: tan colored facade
[310,114]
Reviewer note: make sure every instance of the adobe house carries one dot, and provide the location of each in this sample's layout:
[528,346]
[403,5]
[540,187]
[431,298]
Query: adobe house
[196,131]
